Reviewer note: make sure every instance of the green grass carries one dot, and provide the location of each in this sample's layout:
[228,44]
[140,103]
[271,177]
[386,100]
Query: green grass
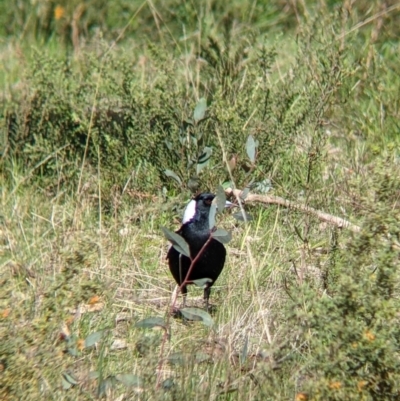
[303,310]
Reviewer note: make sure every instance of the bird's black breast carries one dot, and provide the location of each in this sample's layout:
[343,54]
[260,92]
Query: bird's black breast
[209,264]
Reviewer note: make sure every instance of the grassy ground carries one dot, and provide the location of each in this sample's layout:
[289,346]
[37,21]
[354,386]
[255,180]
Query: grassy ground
[303,310]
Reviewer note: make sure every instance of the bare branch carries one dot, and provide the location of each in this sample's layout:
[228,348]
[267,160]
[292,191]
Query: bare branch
[276,200]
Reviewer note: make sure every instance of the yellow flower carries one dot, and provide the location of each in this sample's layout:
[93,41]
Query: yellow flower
[5,313]
[59,12]
[361,384]
[335,385]
[94,300]
[80,344]
[369,336]
[301,397]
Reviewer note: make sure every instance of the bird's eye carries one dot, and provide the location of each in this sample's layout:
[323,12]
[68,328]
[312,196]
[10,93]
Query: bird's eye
[208,202]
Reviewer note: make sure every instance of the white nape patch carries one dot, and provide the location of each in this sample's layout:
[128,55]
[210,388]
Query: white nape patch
[190,211]
[229,204]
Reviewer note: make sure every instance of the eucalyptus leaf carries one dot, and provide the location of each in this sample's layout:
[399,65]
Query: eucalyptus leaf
[251,148]
[244,193]
[207,152]
[211,216]
[71,340]
[105,385]
[188,121]
[222,236]
[170,173]
[194,140]
[200,110]
[68,381]
[197,314]
[71,379]
[200,137]
[176,358]
[167,384]
[151,322]
[168,143]
[66,385]
[129,380]
[94,374]
[201,357]
[201,166]
[177,241]
[73,351]
[94,338]
[227,184]
[201,282]
[221,199]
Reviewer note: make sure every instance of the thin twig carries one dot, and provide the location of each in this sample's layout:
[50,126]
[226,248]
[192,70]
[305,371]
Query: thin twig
[186,281]
[276,200]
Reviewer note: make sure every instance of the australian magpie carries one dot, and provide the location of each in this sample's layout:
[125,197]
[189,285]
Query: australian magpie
[195,230]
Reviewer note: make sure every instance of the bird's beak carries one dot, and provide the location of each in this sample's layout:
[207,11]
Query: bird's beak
[229,204]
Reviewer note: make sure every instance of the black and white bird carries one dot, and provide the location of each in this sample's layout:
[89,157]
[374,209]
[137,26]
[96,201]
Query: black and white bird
[195,230]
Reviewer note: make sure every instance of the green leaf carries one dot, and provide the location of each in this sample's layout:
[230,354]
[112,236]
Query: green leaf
[222,236]
[167,384]
[129,380]
[251,148]
[94,338]
[244,193]
[188,121]
[204,159]
[201,166]
[105,385]
[205,156]
[176,358]
[151,322]
[70,379]
[201,357]
[200,110]
[71,345]
[227,184]
[94,374]
[201,282]
[73,351]
[197,314]
[211,216]
[66,385]
[168,143]
[221,199]
[170,173]
[177,241]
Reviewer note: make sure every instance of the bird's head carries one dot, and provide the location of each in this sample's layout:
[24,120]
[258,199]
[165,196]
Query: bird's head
[199,208]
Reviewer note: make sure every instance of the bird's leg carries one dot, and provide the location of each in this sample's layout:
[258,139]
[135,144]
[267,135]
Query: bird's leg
[180,270]
[181,278]
[184,295]
[207,291]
